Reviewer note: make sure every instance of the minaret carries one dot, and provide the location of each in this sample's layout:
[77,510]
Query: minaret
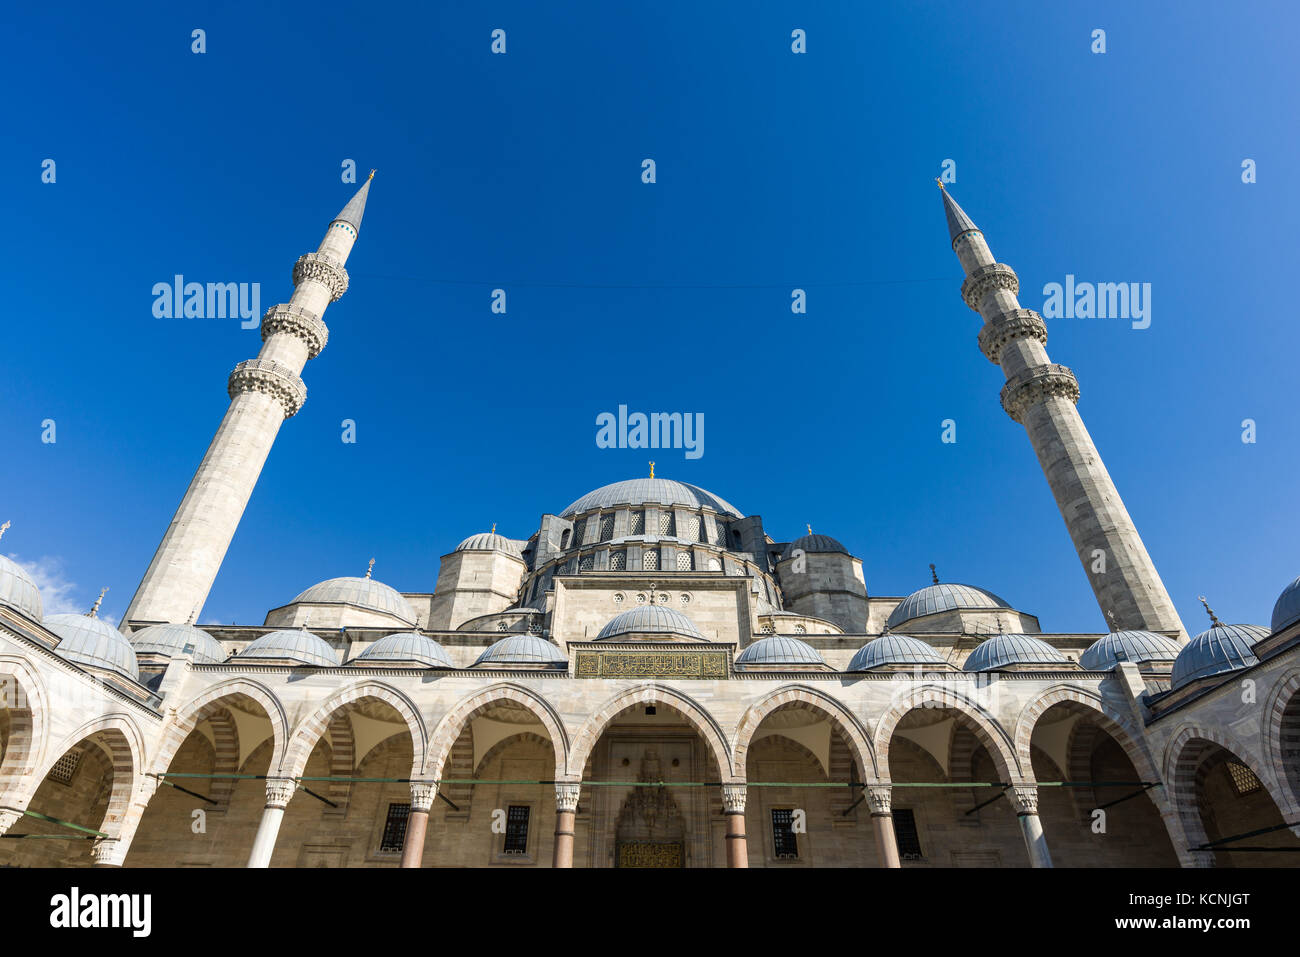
[263,393]
[1041,396]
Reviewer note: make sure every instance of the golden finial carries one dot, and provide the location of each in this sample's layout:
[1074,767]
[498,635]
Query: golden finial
[494,528]
[652,470]
[370,568]
[94,609]
[934,575]
[809,527]
[4,528]
[1214,619]
[371,176]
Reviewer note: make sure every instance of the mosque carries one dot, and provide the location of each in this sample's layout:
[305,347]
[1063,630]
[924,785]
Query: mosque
[647,679]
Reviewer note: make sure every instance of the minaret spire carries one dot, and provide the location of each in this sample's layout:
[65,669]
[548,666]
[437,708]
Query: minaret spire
[263,393]
[1041,396]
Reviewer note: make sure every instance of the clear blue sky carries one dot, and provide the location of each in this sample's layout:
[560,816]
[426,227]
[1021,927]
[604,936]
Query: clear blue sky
[775,171]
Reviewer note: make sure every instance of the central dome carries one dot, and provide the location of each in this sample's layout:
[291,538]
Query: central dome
[652,620]
[648,491]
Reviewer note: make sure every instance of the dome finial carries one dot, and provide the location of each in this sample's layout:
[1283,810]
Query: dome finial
[1214,619]
[94,609]
[370,568]
[934,575]
[4,528]
[652,470]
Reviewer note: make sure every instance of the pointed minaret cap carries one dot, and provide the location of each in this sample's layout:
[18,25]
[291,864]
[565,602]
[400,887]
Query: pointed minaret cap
[356,207]
[958,221]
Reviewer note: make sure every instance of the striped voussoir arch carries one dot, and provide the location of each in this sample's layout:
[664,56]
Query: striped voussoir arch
[800,697]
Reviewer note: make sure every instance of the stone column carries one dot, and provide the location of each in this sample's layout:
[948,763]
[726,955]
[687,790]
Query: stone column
[880,797]
[733,802]
[109,852]
[278,793]
[566,806]
[1025,800]
[417,823]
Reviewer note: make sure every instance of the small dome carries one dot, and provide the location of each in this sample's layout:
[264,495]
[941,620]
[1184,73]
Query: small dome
[18,590]
[779,650]
[404,647]
[1217,651]
[296,645]
[490,542]
[894,650]
[814,543]
[522,650]
[943,597]
[93,643]
[1286,612]
[361,593]
[173,640]
[1138,647]
[1003,650]
[650,491]
[652,619]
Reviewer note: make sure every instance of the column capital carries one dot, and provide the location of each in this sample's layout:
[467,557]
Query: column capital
[279,791]
[422,795]
[1006,327]
[986,278]
[109,852]
[880,797]
[1034,385]
[323,269]
[733,798]
[566,795]
[1024,798]
[275,379]
[296,321]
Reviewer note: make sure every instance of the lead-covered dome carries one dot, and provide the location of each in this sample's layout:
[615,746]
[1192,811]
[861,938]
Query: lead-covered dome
[651,619]
[174,640]
[1215,651]
[523,650]
[895,650]
[292,645]
[1001,651]
[1287,610]
[648,491]
[18,590]
[1139,647]
[779,650]
[93,643]
[933,599]
[490,542]
[363,593]
[406,647]
[811,544]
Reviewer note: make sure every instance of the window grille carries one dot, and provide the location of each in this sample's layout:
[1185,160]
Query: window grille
[395,828]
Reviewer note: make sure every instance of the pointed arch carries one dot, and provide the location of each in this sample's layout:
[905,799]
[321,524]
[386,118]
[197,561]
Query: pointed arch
[449,727]
[991,734]
[310,731]
[209,702]
[692,711]
[855,732]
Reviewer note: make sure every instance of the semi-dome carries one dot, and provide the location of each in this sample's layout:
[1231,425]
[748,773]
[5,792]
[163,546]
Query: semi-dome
[1003,650]
[292,645]
[894,650]
[361,593]
[522,650]
[490,542]
[1138,647]
[1287,610]
[779,650]
[650,619]
[18,590]
[93,643]
[933,599]
[651,491]
[1215,651]
[174,640]
[406,647]
[810,544]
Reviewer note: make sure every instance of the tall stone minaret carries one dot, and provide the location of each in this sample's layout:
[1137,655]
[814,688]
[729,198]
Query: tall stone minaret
[263,393]
[1041,396]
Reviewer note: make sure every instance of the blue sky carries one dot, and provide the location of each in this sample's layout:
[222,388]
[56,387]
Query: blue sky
[774,171]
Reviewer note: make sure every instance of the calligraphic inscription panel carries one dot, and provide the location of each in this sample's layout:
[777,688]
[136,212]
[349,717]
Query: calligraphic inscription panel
[651,664]
[646,854]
